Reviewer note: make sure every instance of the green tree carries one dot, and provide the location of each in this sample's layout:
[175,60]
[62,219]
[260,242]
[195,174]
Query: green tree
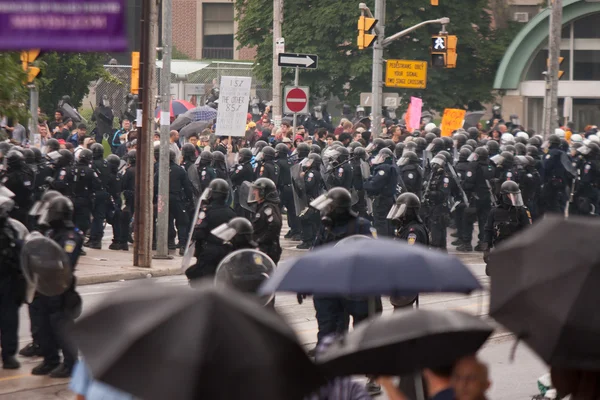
[329,29]
[68,74]
[14,97]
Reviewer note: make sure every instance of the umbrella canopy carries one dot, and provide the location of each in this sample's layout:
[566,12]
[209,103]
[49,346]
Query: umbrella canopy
[380,267]
[472,119]
[167,343]
[195,127]
[404,342]
[180,122]
[202,113]
[545,289]
[176,108]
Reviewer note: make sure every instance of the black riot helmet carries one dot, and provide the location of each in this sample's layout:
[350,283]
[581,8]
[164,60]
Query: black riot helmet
[511,194]
[66,158]
[6,206]
[245,155]
[436,131]
[520,149]
[468,147]
[406,208]
[303,150]
[114,162]
[172,156]
[132,157]
[446,155]
[315,149]
[238,231]
[473,133]
[206,158]
[37,154]
[554,140]
[282,150]
[29,156]
[314,161]
[408,157]
[58,213]
[460,139]
[335,203]
[530,161]
[376,146]
[342,154]
[480,154]
[509,159]
[421,144]
[269,153]
[42,205]
[410,146]
[258,146]
[360,153]
[493,147]
[52,145]
[436,146]
[448,143]
[15,159]
[463,154]
[399,149]
[532,151]
[389,143]
[216,192]
[472,143]
[429,137]
[536,141]
[353,145]
[85,157]
[218,159]
[263,189]
[564,145]
[188,152]
[385,155]
[97,151]
[510,148]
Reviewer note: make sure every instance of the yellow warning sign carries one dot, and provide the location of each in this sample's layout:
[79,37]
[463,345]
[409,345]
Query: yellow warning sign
[406,74]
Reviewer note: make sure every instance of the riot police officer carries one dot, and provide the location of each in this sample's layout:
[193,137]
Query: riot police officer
[284,186]
[359,172]
[85,183]
[341,174]
[266,167]
[505,170]
[12,282]
[113,215]
[214,211]
[382,186]
[188,154]
[128,190]
[19,179]
[267,220]
[63,175]
[462,217]
[313,184]
[555,178]
[57,313]
[219,165]
[205,171]
[242,172]
[411,173]
[43,170]
[506,219]
[410,228]
[302,151]
[238,234]
[585,191]
[101,197]
[435,197]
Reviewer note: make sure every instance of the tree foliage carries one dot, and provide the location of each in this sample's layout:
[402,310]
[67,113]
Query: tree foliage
[329,29]
[68,74]
[13,91]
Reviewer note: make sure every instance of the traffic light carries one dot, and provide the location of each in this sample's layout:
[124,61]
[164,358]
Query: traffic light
[365,25]
[435,3]
[27,58]
[135,72]
[560,60]
[443,51]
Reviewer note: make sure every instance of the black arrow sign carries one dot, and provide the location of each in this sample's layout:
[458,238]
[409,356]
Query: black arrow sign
[293,60]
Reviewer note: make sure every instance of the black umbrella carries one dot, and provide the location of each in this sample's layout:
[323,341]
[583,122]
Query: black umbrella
[180,122]
[195,127]
[545,289]
[168,343]
[405,342]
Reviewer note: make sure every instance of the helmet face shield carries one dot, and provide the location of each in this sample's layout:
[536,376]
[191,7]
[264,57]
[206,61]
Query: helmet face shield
[430,147]
[260,156]
[397,211]
[321,203]
[379,159]
[403,161]
[254,195]
[224,232]
[515,199]
[206,194]
[473,157]
[497,159]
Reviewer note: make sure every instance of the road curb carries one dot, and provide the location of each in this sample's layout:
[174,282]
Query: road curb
[128,276]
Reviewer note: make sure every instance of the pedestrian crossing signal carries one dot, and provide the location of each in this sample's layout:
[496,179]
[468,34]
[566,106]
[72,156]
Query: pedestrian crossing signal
[365,38]
[443,51]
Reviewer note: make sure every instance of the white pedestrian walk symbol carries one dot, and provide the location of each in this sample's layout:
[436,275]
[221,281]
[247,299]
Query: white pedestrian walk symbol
[439,44]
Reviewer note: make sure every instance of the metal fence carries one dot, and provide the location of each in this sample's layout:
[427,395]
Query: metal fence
[195,87]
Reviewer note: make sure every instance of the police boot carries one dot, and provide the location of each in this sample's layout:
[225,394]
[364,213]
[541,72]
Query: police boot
[481,246]
[172,246]
[465,247]
[457,242]
[124,246]
[97,245]
[288,235]
[114,246]
[10,363]
[62,371]
[44,368]
[181,251]
[304,246]
[31,350]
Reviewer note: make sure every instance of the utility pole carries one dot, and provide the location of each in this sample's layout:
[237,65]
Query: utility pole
[33,109]
[144,184]
[277,20]
[377,84]
[551,115]
[162,219]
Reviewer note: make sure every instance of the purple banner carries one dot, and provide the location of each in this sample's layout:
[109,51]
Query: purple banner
[63,25]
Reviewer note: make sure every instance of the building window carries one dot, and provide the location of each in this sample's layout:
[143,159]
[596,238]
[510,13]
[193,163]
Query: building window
[587,65]
[218,32]
[587,27]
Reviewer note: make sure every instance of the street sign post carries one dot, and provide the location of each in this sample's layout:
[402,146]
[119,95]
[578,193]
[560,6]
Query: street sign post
[292,60]
[406,74]
[233,105]
[296,100]
[389,99]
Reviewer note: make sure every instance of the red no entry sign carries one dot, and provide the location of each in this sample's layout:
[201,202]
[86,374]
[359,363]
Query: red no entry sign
[296,100]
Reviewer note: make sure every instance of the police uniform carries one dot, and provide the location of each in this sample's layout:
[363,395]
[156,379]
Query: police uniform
[101,201]
[85,182]
[268,169]
[20,181]
[267,224]
[284,186]
[207,174]
[357,183]
[63,180]
[313,185]
[128,190]
[241,173]
[342,176]
[180,194]
[585,201]
[113,215]
[555,181]
[503,222]
[209,249]
[412,178]
[435,209]
[530,184]
[478,175]
[382,186]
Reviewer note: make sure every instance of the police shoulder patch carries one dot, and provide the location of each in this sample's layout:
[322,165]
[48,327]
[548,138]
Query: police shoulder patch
[410,176]
[268,211]
[509,174]
[548,156]
[381,172]
[257,216]
[412,238]
[373,232]
[310,174]
[469,174]
[202,215]
[270,219]
[239,168]
[203,173]
[446,180]
[70,246]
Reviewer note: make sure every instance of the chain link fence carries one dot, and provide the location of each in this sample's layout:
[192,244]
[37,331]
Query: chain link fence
[195,87]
